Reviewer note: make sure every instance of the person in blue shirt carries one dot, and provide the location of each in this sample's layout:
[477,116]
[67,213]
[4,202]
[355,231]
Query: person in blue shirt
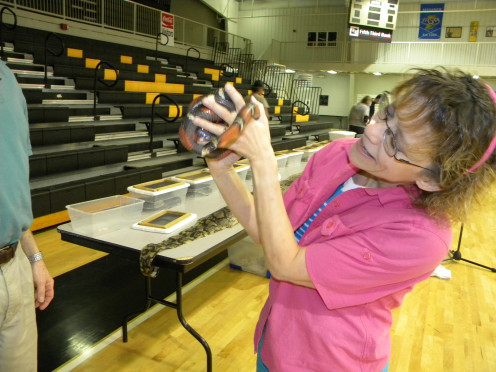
[25,283]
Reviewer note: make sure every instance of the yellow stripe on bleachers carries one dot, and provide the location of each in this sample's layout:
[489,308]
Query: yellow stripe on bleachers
[126,59]
[215,73]
[239,80]
[277,110]
[229,82]
[109,74]
[151,87]
[300,118]
[195,96]
[160,78]
[280,102]
[91,63]
[150,97]
[144,69]
[76,53]
[173,111]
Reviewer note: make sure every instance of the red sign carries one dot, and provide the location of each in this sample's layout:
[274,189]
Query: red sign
[167,21]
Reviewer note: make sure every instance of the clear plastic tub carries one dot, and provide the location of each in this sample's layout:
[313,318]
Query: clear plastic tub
[335,134]
[161,193]
[100,216]
[293,157]
[200,182]
[247,256]
[242,170]
[282,159]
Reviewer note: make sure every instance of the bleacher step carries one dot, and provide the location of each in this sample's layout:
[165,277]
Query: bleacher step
[63,87]
[142,155]
[67,101]
[32,73]
[20,60]
[52,88]
[74,119]
[120,135]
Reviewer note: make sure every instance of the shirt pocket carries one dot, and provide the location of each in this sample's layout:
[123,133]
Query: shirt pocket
[303,197]
[334,227]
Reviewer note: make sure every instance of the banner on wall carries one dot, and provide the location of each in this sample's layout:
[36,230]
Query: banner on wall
[431,21]
[167,29]
[474,27]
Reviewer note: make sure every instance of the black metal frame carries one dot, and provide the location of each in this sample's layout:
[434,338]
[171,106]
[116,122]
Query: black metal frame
[178,305]
[152,120]
[2,25]
[457,255]
[55,54]
[188,57]
[180,267]
[305,112]
[95,80]
[159,37]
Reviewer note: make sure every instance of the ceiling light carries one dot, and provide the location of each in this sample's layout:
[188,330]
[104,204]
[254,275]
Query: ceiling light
[476,77]
[289,71]
[377,73]
[332,72]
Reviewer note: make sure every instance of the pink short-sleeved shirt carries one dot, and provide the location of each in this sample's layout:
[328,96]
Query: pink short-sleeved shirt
[365,251]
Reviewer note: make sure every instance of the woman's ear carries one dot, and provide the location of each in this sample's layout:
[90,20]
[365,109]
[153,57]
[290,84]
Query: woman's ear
[428,184]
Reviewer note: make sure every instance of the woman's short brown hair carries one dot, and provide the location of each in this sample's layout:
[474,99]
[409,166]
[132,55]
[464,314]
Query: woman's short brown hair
[460,115]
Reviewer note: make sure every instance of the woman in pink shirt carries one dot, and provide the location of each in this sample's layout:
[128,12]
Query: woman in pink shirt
[367,220]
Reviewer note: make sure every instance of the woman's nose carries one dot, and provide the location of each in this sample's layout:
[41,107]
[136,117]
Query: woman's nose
[375,130]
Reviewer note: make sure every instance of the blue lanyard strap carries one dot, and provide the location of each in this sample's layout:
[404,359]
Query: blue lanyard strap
[303,228]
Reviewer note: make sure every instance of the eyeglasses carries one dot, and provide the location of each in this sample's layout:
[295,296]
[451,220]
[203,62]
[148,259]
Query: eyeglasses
[389,140]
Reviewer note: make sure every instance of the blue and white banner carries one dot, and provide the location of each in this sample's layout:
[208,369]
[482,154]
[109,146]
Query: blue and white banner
[431,21]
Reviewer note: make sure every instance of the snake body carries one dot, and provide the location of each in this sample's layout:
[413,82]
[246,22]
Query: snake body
[205,143]
[219,220]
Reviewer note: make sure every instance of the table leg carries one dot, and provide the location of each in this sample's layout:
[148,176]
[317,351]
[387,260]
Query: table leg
[179,284]
[126,319]
[179,308]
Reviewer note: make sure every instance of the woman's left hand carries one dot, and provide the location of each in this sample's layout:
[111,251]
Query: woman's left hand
[254,141]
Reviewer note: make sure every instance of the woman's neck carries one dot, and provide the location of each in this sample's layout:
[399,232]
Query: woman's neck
[366,180]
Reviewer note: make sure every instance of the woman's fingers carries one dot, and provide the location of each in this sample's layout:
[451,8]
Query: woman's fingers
[235,96]
[222,112]
[216,129]
[261,109]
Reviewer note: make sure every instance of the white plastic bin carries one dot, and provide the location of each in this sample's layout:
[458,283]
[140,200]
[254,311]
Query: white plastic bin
[248,256]
[161,193]
[103,215]
[200,182]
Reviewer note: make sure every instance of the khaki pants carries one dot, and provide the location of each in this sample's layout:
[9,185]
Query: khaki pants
[18,332]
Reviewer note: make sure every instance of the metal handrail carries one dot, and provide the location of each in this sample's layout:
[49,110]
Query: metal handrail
[159,37]
[189,57]
[223,72]
[47,49]
[267,91]
[11,27]
[152,121]
[305,112]
[95,80]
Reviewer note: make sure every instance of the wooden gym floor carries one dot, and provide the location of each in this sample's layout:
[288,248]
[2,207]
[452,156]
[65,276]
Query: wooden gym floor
[442,326]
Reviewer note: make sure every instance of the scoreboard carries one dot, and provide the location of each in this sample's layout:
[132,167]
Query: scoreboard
[373,19]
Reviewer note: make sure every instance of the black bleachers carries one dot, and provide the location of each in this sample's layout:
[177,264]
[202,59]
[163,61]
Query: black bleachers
[77,158]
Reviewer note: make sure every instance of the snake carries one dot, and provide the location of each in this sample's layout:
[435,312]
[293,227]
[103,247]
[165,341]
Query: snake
[217,221]
[205,143]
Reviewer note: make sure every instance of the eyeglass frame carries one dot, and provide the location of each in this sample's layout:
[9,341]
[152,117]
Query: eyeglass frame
[389,132]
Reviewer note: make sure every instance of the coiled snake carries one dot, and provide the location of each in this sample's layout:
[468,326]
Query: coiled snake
[215,222]
[205,143]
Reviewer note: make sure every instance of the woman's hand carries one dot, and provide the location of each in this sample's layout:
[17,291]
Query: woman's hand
[254,141]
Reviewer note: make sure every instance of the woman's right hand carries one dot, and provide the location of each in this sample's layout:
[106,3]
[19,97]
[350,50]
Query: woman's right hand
[226,161]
